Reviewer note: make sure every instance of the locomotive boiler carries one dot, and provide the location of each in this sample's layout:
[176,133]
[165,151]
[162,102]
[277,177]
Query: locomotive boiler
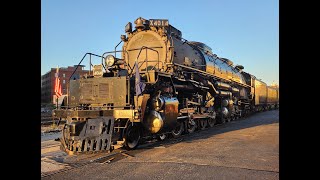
[162,85]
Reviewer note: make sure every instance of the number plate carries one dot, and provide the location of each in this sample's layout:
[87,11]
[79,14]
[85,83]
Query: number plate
[159,22]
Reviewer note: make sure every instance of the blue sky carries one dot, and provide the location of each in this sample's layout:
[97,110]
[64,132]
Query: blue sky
[246,31]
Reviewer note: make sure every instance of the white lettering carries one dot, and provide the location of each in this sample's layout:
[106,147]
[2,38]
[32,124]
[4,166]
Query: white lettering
[157,22]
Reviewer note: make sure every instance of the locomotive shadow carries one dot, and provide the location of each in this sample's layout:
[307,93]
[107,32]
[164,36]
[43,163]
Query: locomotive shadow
[254,120]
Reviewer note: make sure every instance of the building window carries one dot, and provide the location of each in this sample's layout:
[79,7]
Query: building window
[64,81]
[64,75]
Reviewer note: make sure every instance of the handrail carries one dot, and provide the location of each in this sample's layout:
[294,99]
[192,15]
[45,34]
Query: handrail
[115,49]
[91,54]
[102,57]
[146,60]
[151,61]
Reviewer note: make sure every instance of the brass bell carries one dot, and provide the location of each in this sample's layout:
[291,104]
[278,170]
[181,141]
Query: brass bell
[139,23]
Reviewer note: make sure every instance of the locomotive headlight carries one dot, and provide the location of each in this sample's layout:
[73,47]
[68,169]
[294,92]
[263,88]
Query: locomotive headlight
[109,61]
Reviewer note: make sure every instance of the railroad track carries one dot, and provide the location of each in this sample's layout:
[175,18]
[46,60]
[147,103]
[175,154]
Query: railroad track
[48,122]
[50,146]
[96,158]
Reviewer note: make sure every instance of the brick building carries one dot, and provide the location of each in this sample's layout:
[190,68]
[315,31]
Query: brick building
[48,80]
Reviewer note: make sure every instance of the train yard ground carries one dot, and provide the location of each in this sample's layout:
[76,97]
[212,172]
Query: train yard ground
[243,149]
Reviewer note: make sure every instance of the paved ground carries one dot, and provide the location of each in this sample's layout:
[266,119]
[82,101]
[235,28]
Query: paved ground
[243,149]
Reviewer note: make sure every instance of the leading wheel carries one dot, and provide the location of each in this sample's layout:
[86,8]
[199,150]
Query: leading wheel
[178,130]
[132,136]
[191,126]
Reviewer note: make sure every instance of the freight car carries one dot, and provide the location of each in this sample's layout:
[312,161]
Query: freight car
[162,85]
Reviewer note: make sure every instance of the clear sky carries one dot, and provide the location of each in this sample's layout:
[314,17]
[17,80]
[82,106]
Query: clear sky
[246,31]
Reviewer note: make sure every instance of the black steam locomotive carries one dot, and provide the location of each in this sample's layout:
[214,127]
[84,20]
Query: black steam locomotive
[163,85]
